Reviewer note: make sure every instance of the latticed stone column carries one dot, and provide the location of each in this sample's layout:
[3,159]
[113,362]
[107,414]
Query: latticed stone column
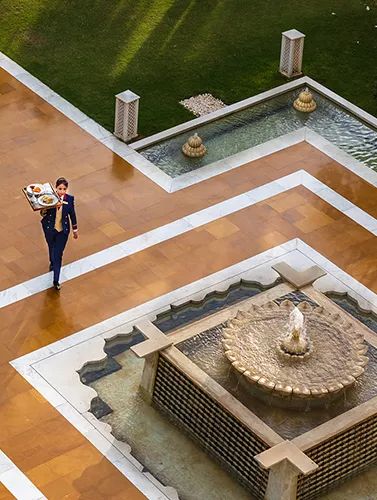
[285,462]
[126,115]
[149,350]
[292,48]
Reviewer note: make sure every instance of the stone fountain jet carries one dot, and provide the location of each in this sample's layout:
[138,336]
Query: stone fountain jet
[296,343]
[303,357]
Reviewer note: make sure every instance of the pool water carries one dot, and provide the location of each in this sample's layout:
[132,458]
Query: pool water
[260,123]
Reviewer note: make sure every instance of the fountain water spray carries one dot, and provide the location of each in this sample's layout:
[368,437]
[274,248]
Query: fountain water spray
[296,343]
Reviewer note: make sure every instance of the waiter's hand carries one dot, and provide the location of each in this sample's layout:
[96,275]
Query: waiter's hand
[75,234]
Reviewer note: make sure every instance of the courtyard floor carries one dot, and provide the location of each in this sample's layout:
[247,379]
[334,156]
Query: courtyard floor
[115,203]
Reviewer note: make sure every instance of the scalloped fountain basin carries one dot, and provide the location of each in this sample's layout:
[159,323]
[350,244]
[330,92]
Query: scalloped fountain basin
[330,354]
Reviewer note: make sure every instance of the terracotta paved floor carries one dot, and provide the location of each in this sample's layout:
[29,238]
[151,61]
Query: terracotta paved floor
[5,494]
[41,442]
[38,142]
[114,201]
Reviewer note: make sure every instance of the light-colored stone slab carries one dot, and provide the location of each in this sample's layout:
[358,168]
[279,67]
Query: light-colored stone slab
[293,34]
[157,340]
[16,481]
[151,346]
[298,279]
[286,451]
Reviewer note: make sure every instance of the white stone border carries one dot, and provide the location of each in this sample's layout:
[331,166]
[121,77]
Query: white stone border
[52,370]
[16,481]
[340,156]
[129,153]
[251,101]
[187,223]
[262,150]
[220,113]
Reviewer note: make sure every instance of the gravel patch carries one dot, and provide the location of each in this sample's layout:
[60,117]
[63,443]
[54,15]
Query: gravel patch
[202,104]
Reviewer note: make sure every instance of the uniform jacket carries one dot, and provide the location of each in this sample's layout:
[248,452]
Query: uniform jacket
[48,220]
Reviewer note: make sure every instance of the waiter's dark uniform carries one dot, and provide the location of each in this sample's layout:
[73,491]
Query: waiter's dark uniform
[56,227]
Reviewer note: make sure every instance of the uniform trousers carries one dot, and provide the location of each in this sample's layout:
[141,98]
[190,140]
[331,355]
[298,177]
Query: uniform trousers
[56,241]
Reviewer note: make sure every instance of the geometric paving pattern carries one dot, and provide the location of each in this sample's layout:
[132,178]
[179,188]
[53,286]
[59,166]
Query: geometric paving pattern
[116,202]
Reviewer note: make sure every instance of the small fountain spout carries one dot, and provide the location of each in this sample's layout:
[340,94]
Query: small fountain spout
[296,323]
[296,342]
[194,147]
[305,102]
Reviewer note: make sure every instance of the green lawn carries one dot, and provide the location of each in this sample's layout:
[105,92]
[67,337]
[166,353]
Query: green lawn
[166,50]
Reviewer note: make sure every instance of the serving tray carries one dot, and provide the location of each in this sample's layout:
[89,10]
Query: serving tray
[33,200]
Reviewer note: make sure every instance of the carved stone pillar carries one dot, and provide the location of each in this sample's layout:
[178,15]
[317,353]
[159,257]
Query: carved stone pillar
[282,481]
[285,462]
[292,48]
[126,115]
[149,349]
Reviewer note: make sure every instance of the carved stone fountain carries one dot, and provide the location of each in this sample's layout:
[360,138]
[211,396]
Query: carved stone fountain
[194,147]
[302,356]
[305,102]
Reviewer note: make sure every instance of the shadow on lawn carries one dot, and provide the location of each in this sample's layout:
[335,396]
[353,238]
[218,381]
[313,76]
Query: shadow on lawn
[164,50]
[167,50]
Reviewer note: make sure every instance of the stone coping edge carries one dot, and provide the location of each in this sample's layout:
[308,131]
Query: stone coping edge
[250,101]
[336,425]
[286,451]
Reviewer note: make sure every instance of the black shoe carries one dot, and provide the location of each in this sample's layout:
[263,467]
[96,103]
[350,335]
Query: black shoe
[57,286]
[51,267]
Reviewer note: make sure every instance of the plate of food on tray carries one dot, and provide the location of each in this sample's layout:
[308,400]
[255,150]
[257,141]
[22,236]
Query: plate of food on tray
[48,200]
[35,189]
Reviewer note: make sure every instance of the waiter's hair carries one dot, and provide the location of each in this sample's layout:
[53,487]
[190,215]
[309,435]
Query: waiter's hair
[61,180]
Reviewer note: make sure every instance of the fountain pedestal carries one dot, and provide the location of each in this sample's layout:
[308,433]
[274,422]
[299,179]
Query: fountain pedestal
[299,358]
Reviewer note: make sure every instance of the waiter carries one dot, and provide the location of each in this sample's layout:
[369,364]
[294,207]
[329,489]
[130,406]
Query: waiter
[56,227]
